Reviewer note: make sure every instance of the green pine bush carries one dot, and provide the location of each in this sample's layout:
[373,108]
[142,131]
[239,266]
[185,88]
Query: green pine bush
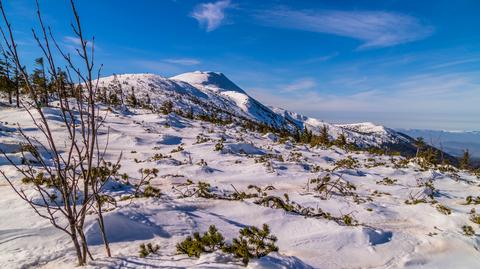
[194,246]
[148,249]
[468,230]
[252,243]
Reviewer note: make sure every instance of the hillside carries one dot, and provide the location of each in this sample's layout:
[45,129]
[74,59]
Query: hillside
[329,206]
[204,92]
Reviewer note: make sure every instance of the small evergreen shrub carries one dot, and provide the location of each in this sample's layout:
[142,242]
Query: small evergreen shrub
[387,181]
[348,220]
[202,139]
[472,200]
[252,243]
[347,163]
[202,163]
[148,249]
[341,141]
[219,146]
[443,209]
[468,230]
[167,107]
[178,149]
[416,201]
[204,190]
[159,156]
[474,217]
[151,191]
[40,180]
[194,246]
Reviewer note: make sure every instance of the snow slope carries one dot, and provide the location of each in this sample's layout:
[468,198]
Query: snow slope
[391,234]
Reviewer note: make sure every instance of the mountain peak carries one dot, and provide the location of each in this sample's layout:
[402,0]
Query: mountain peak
[215,81]
[214,89]
[365,127]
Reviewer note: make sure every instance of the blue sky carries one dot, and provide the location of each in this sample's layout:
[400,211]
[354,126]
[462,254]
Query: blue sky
[407,64]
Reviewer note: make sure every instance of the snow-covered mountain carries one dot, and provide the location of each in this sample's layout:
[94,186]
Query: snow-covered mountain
[200,92]
[385,211]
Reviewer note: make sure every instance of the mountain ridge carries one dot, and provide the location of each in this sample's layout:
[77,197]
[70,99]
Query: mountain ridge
[200,91]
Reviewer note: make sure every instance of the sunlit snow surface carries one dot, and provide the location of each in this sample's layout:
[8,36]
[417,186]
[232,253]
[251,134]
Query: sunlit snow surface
[392,234]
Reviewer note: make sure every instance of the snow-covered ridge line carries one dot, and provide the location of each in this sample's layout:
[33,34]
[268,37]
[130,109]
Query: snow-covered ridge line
[216,90]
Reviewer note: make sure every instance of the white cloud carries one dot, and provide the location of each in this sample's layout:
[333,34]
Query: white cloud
[373,28]
[183,61]
[427,100]
[211,15]
[320,58]
[455,62]
[301,84]
[74,42]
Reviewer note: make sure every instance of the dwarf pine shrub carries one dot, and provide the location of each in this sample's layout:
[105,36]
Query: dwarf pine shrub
[443,209]
[252,243]
[468,230]
[472,200]
[387,181]
[474,217]
[41,180]
[202,139]
[219,146]
[347,163]
[348,220]
[147,249]
[159,156]
[194,246]
[178,149]
[151,191]
[167,107]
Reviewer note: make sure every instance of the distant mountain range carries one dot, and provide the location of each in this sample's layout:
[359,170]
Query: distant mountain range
[452,142]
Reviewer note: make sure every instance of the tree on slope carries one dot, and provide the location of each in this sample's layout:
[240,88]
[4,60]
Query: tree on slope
[420,144]
[7,84]
[324,139]
[39,81]
[465,161]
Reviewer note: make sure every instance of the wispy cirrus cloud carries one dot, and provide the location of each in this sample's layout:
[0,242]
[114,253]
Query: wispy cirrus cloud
[320,58]
[374,28]
[300,85]
[211,15]
[183,61]
[394,101]
[74,42]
